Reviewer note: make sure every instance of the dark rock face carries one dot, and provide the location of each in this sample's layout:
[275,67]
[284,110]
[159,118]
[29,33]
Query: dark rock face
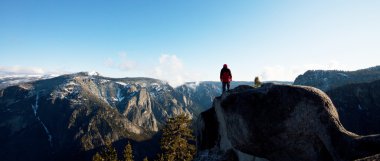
[35,126]
[370,158]
[209,136]
[202,94]
[280,122]
[355,94]
[358,106]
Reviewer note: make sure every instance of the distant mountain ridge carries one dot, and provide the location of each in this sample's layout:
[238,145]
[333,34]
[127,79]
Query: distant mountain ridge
[72,115]
[329,79]
[64,117]
[10,80]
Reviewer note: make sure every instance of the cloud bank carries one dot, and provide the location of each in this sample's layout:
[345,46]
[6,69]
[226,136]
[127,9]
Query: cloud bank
[171,69]
[24,70]
[122,63]
[284,73]
[20,70]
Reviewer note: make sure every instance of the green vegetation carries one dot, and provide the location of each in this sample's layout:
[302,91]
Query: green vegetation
[108,153]
[177,143]
[128,154]
[176,138]
[97,157]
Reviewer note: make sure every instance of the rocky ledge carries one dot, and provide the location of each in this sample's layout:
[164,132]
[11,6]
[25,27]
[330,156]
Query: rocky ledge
[278,123]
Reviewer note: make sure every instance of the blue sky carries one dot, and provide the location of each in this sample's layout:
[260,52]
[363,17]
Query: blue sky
[181,40]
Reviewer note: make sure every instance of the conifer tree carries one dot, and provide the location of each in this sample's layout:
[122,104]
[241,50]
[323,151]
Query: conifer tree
[108,153]
[160,157]
[97,157]
[128,153]
[176,138]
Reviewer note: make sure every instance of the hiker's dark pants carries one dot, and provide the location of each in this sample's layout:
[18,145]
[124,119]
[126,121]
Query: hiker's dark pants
[224,84]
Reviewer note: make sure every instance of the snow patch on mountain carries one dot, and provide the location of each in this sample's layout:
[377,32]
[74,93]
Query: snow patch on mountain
[64,90]
[69,88]
[118,95]
[158,88]
[122,83]
[35,108]
[104,98]
[103,81]
[342,74]
[50,137]
[192,85]
[93,73]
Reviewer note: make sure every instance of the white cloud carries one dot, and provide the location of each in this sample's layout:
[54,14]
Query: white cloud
[126,64]
[171,61]
[109,63]
[23,70]
[284,73]
[122,63]
[171,69]
[276,73]
[123,55]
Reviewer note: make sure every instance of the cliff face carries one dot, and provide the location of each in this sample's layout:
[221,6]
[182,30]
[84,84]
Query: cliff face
[278,122]
[62,118]
[358,106]
[355,94]
[72,116]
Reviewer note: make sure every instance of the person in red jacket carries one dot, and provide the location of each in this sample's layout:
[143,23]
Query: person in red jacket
[225,77]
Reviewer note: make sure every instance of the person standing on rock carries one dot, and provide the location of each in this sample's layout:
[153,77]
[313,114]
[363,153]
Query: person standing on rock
[225,77]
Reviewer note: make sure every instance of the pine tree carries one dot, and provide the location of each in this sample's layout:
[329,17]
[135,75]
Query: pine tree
[257,82]
[175,139]
[97,157]
[109,153]
[146,159]
[160,157]
[128,153]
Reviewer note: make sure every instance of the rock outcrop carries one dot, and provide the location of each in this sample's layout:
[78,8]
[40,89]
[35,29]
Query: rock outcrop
[355,94]
[358,106]
[278,123]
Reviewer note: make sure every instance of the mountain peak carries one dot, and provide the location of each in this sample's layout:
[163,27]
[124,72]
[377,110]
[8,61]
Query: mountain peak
[93,73]
[329,79]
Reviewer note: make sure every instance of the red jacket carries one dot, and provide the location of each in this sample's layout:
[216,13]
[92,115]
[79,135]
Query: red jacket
[225,75]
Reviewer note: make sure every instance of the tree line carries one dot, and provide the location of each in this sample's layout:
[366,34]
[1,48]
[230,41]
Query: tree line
[177,143]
